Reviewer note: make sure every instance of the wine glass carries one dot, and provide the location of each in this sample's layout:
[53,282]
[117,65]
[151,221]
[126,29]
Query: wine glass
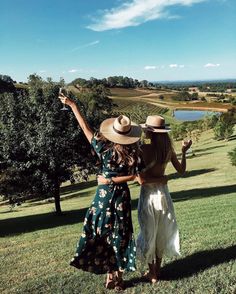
[64,92]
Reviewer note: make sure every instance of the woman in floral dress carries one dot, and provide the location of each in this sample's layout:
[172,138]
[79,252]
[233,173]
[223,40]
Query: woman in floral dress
[107,243]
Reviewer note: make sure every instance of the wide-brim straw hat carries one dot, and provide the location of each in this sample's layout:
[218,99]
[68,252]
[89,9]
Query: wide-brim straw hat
[156,124]
[121,130]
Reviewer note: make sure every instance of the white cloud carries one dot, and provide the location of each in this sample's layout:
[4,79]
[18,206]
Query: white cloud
[173,65]
[135,13]
[86,45]
[148,67]
[42,71]
[72,70]
[212,65]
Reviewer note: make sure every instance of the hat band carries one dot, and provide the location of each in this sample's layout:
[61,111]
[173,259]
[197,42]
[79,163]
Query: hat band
[120,132]
[161,127]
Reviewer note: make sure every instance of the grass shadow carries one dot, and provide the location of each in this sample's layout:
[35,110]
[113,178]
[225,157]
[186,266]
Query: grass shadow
[195,194]
[191,173]
[25,224]
[190,265]
[197,262]
[208,148]
[77,187]
[202,192]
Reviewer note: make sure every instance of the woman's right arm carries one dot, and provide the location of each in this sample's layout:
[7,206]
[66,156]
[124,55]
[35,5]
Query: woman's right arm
[81,120]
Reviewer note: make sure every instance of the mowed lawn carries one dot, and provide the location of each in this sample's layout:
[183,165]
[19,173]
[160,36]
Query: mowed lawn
[36,246]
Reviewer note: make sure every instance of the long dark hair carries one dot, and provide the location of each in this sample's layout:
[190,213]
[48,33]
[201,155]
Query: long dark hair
[163,146]
[127,155]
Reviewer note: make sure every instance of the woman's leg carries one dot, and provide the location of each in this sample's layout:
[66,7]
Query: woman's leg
[119,284]
[158,267]
[111,280]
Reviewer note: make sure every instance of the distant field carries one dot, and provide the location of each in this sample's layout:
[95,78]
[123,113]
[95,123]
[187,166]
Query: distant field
[36,246]
[122,92]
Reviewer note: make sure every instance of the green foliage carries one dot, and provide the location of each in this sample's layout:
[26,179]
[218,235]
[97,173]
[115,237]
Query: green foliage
[232,156]
[111,82]
[224,127]
[6,84]
[185,96]
[41,146]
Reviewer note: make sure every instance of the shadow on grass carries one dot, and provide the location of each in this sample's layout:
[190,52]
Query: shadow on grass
[191,265]
[191,173]
[197,262]
[202,192]
[77,187]
[196,194]
[25,224]
[208,148]
[18,225]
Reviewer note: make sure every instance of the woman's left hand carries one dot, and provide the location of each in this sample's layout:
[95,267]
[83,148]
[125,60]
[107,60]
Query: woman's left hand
[186,145]
[102,180]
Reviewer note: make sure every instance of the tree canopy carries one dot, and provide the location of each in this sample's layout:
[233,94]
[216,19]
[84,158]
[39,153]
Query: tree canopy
[42,146]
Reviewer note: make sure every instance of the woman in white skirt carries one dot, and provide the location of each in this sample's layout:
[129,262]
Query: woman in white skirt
[159,234]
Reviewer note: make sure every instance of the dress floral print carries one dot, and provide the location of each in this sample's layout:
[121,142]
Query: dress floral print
[107,242]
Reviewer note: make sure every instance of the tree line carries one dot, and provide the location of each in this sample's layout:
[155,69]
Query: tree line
[111,82]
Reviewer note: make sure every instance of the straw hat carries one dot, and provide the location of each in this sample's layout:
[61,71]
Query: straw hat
[156,124]
[120,130]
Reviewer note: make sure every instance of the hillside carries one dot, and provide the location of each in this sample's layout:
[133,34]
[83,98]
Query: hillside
[204,199]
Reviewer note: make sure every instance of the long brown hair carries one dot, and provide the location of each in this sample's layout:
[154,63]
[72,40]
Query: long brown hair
[127,155]
[163,146]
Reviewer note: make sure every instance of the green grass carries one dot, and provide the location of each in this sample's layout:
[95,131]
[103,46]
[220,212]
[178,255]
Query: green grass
[36,246]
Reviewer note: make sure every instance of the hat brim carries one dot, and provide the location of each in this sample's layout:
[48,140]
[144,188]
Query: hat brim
[155,130]
[106,129]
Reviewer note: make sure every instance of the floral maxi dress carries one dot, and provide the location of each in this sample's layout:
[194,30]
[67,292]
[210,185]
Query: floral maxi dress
[107,242]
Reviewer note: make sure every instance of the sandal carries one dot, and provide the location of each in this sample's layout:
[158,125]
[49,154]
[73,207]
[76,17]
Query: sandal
[119,283]
[110,281]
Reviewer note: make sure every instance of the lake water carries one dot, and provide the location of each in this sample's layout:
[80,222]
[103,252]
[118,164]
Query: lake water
[190,115]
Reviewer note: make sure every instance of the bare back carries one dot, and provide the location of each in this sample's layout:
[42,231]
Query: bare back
[153,168]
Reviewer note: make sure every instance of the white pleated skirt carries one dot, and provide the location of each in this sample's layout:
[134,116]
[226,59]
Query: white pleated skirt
[159,233]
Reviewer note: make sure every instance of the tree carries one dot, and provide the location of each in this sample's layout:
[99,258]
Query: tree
[41,145]
[232,156]
[224,127]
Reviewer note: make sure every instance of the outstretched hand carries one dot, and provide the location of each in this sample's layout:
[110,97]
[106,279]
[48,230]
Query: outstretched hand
[64,99]
[186,145]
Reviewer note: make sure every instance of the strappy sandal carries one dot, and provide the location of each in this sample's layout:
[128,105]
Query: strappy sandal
[119,284]
[110,282]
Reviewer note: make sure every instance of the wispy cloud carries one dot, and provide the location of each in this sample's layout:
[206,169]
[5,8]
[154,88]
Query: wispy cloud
[72,70]
[85,45]
[212,65]
[148,67]
[175,65]
[136,12]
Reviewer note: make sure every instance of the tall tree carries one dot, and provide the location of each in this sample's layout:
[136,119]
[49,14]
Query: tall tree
[41,145]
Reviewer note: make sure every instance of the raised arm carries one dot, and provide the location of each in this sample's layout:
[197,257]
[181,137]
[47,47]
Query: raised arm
[181,166]
[81,120]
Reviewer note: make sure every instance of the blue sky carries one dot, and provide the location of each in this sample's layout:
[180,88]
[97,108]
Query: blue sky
[145,39]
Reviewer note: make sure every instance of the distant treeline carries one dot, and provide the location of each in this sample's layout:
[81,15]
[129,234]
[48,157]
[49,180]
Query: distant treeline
[112,82]
[216,86]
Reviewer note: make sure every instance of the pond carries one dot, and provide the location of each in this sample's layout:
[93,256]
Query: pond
[190,115]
